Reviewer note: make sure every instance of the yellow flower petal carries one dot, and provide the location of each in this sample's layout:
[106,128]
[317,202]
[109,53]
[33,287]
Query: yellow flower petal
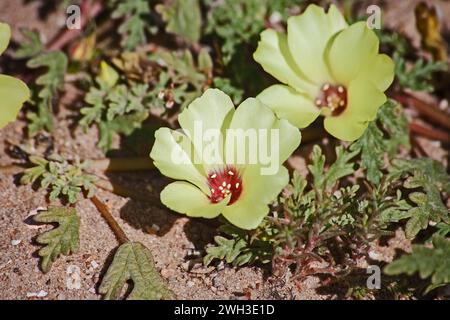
[364,100]
[5,35]
[251,207]
[274,56]
[289,104]
[308,36]
[172,155]
[14,93]
[212,110]
[351,52]
[380,72]
[251,119]
[186,198]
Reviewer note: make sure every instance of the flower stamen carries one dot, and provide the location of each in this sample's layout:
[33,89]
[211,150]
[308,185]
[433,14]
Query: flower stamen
[332,97]
[223,183]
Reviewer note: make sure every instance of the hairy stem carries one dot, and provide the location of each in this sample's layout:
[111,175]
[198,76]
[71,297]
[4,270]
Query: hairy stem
[430,111]
[429,132]
[106,214]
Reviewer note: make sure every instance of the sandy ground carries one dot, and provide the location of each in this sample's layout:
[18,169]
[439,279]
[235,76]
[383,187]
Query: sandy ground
[175,246]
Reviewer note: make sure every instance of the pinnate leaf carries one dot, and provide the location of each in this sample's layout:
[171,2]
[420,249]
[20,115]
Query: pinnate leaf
[133,261]
[64,239]
[375,145]
[428,262]
[183,17]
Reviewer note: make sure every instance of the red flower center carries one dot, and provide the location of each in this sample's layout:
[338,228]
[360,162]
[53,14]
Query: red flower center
[333,97]
[223,183]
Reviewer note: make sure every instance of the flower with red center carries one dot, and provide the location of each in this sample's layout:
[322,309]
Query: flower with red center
[13,91]
[223,183]
[237,189]
[328,68]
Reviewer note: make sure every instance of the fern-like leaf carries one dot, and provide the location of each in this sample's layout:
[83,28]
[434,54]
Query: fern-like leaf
[374,145]
[430,179]
[133,261]
[136,17]
[428,262]
[64,239]
[49,82]
[183,18]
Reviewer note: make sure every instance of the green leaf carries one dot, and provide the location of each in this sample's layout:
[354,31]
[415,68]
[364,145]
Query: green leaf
[341,167]
[419,76]
[317,167]
[50,83]
[239,248]
[64,239]
[31,45]
[236,22]
[133,261]
[205,62]
[327,179]
[183,18]
[428,262]
[381,139]
[226,86]
[61,178]
[136,20]
[443,229]
[431,177]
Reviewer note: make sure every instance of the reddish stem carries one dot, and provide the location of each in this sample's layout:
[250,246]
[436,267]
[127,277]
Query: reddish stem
[429,132]
[431,111]
[118,231]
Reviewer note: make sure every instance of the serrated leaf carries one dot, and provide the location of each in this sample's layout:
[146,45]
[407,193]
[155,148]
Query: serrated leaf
[30,46]
[317,167]
[133,261]
[431,177]
[61,178]
[64,239]
[235,22]
[326,179]
[50,82]
[136,21]
[428,262]
[375,146]
[419,76]
[341,167]
[183,18]
[443,229]
[418,221]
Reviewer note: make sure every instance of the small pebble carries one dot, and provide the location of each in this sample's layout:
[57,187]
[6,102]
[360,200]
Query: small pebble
[94,264]
[15,242]
[39,294]
[221,266]
[374,255]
